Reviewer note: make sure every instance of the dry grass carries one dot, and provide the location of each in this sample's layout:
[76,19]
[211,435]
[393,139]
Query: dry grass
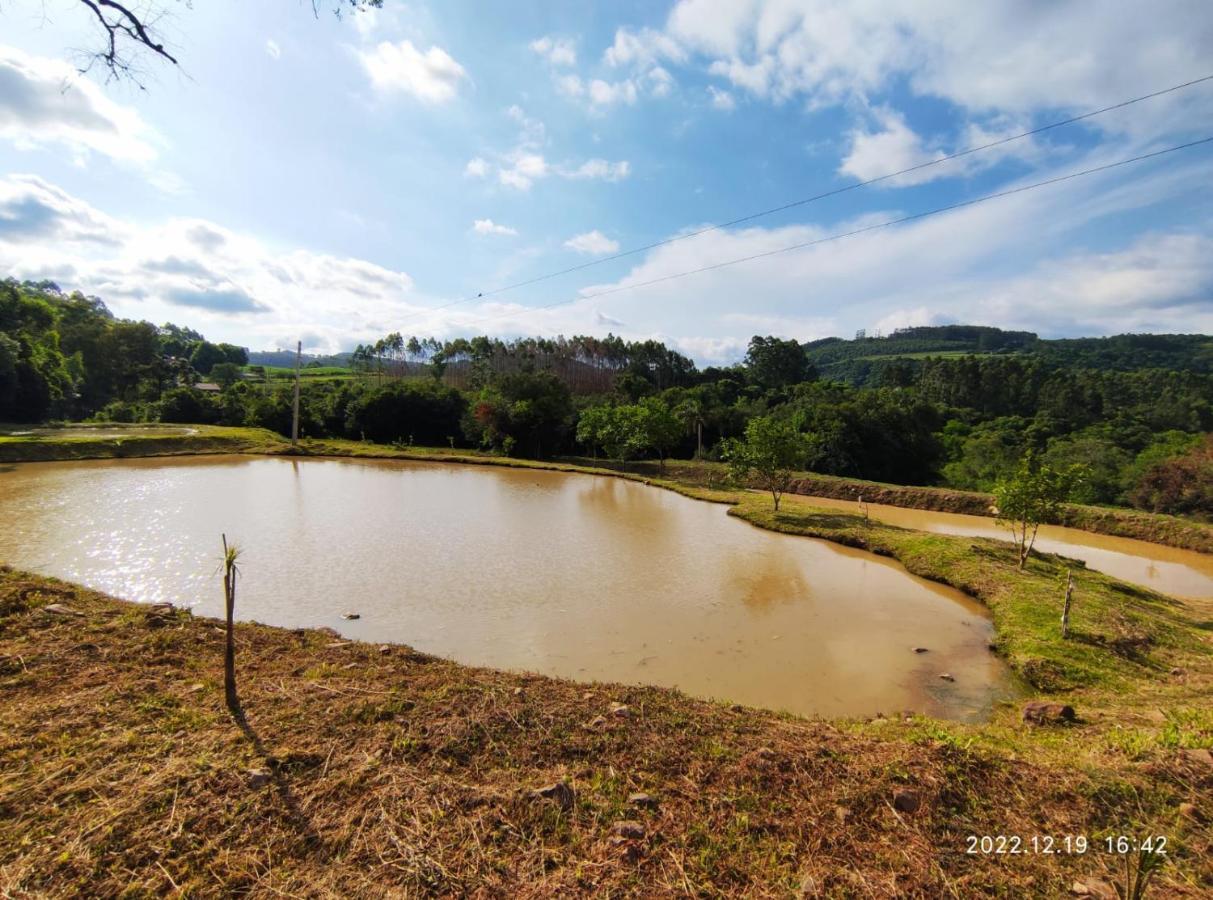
[363,773]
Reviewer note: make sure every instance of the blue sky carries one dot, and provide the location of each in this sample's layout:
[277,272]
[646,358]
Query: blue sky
[336,180]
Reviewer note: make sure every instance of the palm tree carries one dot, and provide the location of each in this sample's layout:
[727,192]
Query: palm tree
[690,411]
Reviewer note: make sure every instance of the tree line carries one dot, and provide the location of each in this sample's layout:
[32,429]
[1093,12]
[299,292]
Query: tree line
[1140,436]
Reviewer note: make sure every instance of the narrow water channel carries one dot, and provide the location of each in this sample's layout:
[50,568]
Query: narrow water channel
[1168,570]
[585,577]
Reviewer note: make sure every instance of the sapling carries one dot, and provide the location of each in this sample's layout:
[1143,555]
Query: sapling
[231,553]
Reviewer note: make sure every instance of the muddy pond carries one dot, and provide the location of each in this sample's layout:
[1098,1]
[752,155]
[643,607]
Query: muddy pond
[585,577]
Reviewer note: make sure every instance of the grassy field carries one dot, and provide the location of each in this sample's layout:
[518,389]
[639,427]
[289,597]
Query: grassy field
[279,374]
[355,769]
[114,441]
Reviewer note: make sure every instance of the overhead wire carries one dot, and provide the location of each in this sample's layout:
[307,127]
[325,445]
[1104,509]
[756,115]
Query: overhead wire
[846,234]
[622,254]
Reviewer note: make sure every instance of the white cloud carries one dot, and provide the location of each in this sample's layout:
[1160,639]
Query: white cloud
[488,226]
[983,57]
[592,242]
[601,168]
[44,101]
[532,132]
[272,49]
[997,263]
[609,93]
[33,210]
[570,86]
[230,285]
[661,82]
[432,77]
[523,169]
[721,99]
[642,48]
[556,50]
[894,148]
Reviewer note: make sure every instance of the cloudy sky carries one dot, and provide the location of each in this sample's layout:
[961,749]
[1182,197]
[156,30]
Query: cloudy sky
[336,180]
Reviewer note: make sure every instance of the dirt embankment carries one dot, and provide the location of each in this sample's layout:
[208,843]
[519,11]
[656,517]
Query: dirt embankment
[359,771]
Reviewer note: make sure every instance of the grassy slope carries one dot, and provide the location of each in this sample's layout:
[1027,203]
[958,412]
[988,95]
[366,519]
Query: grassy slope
[82,442]
[122,773]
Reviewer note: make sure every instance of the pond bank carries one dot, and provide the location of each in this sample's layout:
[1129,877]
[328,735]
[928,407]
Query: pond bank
[360,769]
[76,442]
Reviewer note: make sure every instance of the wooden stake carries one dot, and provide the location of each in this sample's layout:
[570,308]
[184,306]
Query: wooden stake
[1065,610]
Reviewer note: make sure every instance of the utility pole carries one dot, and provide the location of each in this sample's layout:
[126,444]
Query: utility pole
[295,418]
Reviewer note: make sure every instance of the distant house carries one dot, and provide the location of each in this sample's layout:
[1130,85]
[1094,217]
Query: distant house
[208,387]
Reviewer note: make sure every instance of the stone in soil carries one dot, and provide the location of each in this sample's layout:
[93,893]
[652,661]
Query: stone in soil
[906,801]
[1042,712]
[629,829]
[560,791]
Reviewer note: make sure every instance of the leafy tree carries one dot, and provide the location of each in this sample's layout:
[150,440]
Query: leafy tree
[188,406]
[594,428]
[776,363]
[206,356]
[771,452]
[1032,496]
[1104,466]
[526,411]
[9,355]
[660,429]
[225,374]
[422,412]
[178,341]
[235,355]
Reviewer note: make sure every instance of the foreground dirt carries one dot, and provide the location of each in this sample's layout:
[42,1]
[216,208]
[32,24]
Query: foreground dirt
[364,771]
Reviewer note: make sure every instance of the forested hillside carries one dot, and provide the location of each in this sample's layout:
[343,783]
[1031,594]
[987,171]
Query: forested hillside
[1132,412]
[870,361]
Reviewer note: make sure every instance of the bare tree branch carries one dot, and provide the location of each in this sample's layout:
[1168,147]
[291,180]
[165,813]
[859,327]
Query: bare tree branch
[127,31]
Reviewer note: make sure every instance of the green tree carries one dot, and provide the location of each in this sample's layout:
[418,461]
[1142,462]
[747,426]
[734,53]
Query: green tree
[660,429]
[1032,496]
[776,363]
[205,356]
[770,453]
[594,427]
[691,412]
[225,374]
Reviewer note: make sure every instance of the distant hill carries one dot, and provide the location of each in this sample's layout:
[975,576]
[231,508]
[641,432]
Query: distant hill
[287,358]
[862,360]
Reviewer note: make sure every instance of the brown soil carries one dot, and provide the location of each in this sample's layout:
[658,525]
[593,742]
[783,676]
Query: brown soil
[360,772]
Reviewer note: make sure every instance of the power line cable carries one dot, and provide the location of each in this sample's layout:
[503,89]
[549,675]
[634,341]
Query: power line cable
[873,227]
[816,197]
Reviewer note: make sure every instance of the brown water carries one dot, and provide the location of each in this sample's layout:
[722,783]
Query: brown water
[1180,573]
[571,575]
